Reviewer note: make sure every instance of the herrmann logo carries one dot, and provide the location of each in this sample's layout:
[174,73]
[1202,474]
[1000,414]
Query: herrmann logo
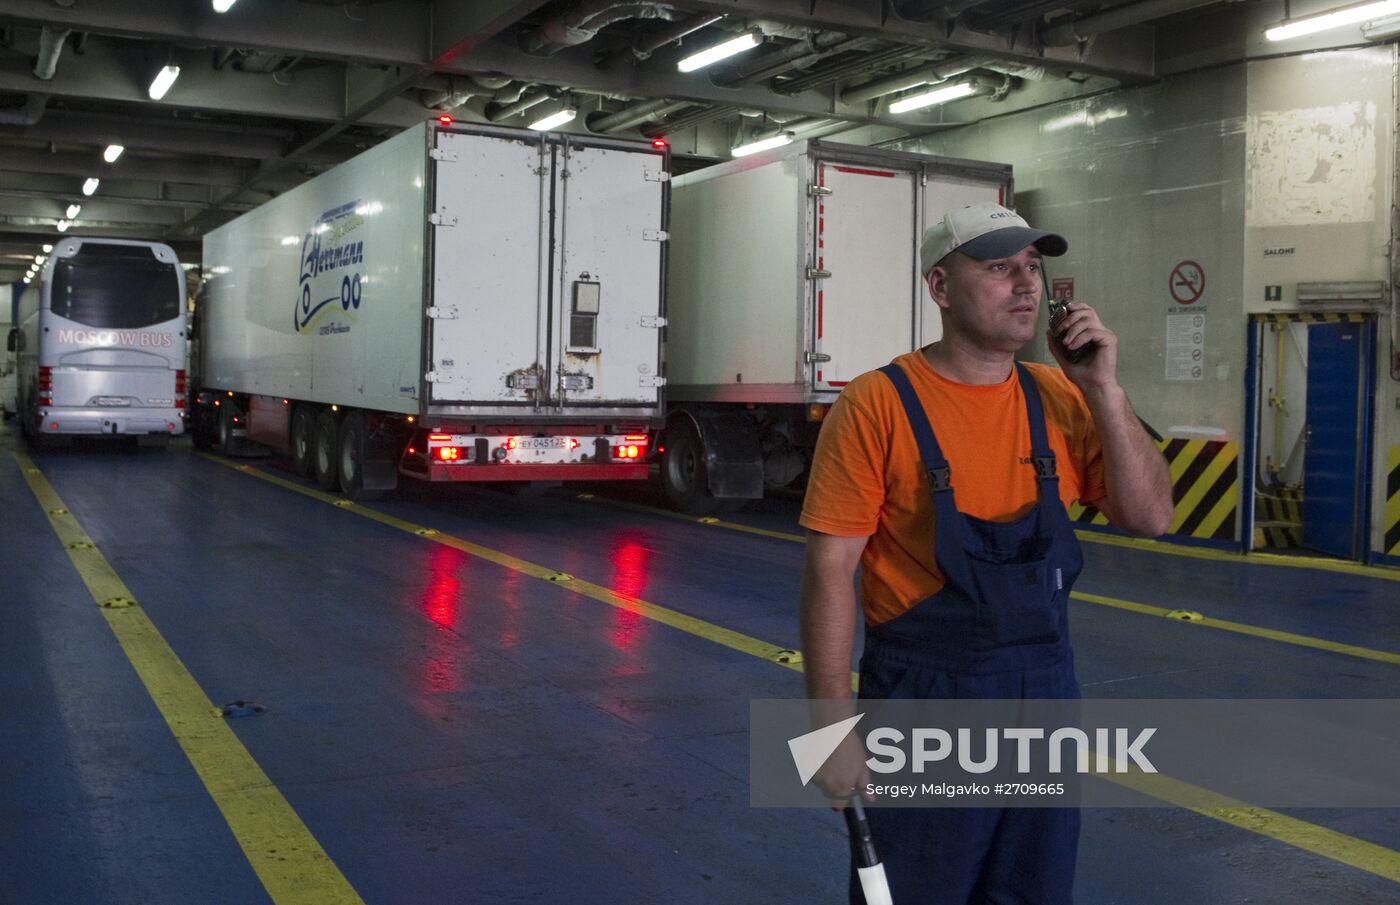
[325,255]
[1112,748]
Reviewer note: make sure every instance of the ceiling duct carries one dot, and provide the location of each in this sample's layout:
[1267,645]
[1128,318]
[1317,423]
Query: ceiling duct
[643,48]
[27,114]
[50,47]
[628,117]
[582,24]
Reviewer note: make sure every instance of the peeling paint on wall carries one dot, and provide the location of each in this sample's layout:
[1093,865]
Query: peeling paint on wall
[1312,166]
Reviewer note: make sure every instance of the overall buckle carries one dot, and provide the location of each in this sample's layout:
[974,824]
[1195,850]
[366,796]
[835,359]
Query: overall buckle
[1044,466]
[940,478]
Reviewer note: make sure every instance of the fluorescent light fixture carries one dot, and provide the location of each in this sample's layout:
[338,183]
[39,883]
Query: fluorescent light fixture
[163,80]
[113,152]
[554,120]
[291,240]
[1382,28]
[700,60]
[753,147]
[936,96]
[47,248]
[223,6]
[74,210]
[1337,18]
[91,185]
[62,226]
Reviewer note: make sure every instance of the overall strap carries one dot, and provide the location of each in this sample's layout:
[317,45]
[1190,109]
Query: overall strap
[1042,455]
[939,475]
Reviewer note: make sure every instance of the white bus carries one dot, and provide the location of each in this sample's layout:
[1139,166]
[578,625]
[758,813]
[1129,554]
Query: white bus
[101,343]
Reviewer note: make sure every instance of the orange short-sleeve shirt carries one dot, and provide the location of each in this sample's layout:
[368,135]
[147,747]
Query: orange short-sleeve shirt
[867,480]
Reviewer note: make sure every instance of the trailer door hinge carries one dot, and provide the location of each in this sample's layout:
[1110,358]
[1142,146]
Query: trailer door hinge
[818,190]
[657,176]
[575,382]
[653,321]
[523,381]
[652,382]
[442,218]
[446,314]
[817,357]
[815,274]
[445,154]
[655,235]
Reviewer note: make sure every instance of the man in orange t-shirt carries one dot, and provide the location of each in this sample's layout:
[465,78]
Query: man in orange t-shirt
[945,476]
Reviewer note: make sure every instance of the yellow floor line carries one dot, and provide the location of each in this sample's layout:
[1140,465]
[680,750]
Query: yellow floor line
[291,864]
[1224,625]
[1350,650]
[1251,559]
[1318,840]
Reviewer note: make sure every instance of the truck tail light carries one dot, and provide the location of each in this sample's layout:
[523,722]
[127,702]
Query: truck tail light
[448,453]
[629,451]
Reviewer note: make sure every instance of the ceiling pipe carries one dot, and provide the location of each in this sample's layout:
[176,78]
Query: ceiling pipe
[582,24]
[938,72]
[644,48]
[497,113]
[50,48]
[628,117]
[28,114]
[1062,33]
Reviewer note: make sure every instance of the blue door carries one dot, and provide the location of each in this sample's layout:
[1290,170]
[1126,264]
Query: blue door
[1333,463]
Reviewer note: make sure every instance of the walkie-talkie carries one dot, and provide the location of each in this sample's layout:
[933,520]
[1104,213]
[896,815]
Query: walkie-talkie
[1059,310]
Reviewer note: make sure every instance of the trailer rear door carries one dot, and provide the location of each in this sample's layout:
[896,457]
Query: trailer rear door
[606,343]
[863,312]
[490,252]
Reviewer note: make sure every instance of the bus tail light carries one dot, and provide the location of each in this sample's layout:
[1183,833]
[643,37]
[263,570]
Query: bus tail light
[45,386]
[179,390]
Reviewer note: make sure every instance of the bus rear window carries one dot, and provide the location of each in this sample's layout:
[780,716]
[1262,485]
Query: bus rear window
[116,286]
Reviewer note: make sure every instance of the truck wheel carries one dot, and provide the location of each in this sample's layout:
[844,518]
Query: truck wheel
[223,428]
[325,451]
[303,437]
[683,471]
[352,458]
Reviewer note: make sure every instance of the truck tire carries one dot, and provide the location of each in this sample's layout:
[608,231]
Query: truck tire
[223,428]
[303,436]
[325,450]
[683,470]
[353,447]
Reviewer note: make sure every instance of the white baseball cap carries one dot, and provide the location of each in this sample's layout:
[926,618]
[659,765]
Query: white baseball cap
[984,232]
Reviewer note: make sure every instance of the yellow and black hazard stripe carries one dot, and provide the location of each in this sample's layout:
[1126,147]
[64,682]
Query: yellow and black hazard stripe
[1312,317]
[1205,489]
[1280,505]
[1392,504]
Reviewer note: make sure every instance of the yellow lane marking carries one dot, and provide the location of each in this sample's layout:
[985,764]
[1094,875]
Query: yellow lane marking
[698,627]
[693,519]
[1350,650]
[1318,840]
[1251,559]
[291,864]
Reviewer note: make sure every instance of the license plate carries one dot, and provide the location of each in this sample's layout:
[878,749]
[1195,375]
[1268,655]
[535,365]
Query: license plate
[111,400]
[541,442]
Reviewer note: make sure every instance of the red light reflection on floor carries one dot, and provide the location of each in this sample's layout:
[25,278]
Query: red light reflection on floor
[443,596]
[630,560]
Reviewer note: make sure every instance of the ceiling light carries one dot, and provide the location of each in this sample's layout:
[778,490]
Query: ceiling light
[1347,15]
[223,6]
[47,248]
[1381,28]
[291,240]
[746,41]
[936,96]
[554,120]
[91,185]
[753,147]
[62,226]
[112,153]
[163,80]
[74,210]
[39,260]
[26,280]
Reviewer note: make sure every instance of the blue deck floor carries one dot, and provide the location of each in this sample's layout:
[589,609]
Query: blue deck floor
[453,730]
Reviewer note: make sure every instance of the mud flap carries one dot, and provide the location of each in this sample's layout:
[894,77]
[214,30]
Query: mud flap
[380,468]
[733,457]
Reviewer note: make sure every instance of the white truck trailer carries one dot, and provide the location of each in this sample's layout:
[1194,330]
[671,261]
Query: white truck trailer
[456,304]
[791,272]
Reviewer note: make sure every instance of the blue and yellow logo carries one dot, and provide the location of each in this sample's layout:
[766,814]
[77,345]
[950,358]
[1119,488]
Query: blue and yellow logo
[330,272]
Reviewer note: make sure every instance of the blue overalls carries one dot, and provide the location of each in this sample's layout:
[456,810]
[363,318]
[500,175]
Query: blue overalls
[997,629]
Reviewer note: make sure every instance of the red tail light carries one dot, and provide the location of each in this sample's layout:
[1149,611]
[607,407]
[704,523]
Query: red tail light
[439,436]
[45,380]
[179,389]
[448,454]
[629,451]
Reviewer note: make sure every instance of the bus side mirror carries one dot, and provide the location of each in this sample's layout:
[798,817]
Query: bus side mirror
[12,341]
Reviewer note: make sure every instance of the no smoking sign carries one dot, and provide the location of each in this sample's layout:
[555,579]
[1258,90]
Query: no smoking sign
[1187,283]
